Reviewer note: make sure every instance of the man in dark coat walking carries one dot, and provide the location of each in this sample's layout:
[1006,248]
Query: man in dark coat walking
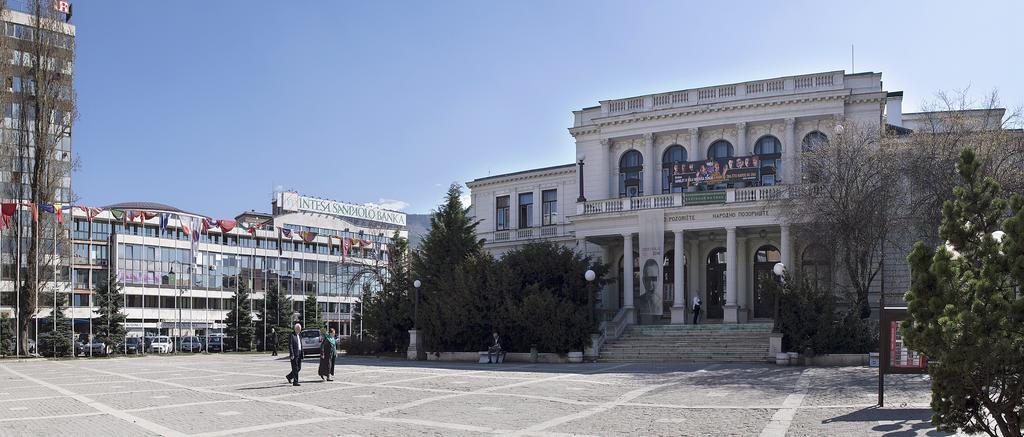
[295,355]
[273,342]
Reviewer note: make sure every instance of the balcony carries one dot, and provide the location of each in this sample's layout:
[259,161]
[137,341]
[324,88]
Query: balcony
[674,200]
[526,234]
[826,81]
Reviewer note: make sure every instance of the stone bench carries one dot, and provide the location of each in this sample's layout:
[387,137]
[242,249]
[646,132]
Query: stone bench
[499,357]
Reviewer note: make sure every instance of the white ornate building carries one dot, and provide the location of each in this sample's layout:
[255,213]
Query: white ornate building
[638,199]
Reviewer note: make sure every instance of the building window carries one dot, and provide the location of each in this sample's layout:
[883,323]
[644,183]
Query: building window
[811,142]
[673,156]
[525,210]
[769,152]
[501,213]
[549,207]
[631,174]
[720,149]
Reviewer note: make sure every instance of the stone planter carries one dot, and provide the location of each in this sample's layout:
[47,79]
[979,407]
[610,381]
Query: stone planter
[576,357]
[782,359]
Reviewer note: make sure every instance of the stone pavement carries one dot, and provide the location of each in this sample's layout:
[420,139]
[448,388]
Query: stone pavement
[213,395]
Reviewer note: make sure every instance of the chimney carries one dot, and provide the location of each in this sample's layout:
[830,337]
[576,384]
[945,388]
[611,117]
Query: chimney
[894,108]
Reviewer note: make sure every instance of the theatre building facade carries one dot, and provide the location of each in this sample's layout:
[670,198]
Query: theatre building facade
[675,192]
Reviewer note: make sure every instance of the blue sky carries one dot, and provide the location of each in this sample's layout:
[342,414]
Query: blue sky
[209,106]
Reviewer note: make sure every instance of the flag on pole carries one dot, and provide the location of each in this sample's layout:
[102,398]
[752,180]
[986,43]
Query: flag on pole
[147,215]
[207,224]
[7,210]
[226,225]
[287,233]
[119,214]
[185,227]
[35,211]
[308,236]
[195,234]
[345,245]
[164,218]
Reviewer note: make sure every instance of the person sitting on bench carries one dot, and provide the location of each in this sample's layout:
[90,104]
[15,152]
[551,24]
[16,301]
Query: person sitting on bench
[494,350]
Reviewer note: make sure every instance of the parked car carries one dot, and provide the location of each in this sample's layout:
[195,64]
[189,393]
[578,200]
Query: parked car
[310,341]
[190,344]
[216,344]
[130,345]
[94,349]
[161,344]
[31,345]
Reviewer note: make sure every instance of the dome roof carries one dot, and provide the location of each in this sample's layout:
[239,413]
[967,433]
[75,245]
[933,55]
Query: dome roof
[148,206]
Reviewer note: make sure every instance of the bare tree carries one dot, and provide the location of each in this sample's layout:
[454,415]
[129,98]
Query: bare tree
[952,123]
[847,203]
[42,108]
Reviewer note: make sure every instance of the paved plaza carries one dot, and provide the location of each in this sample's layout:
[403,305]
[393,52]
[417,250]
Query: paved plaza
[213,395]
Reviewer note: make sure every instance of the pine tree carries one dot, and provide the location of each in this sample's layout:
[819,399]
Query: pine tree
[109,324]
[6,333]
[311,313]
[57,341]
[277,313]
[240,328]
[965,308]
[387,314]
[450,241]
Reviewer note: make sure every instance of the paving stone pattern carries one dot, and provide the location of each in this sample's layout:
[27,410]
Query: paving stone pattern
[213,395]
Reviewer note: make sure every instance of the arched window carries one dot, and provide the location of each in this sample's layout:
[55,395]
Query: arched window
[631,174]
[720,149]
[816,266]
[674,156]
[813,140]
[768,151]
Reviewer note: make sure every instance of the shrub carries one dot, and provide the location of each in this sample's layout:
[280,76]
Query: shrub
[359,346]
[810,318]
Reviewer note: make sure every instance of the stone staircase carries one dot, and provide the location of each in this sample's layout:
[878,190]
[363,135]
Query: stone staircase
[709,343]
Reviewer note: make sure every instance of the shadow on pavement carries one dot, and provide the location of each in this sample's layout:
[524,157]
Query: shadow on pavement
[902,421]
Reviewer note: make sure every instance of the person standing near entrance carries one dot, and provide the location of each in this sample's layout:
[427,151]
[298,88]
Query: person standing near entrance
[295,355]
[273,342]
[696,309]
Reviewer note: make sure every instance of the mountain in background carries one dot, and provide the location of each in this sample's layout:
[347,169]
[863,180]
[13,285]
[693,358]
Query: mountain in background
[418,225]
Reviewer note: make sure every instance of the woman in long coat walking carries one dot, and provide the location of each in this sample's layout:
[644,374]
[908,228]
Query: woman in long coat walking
[328,350]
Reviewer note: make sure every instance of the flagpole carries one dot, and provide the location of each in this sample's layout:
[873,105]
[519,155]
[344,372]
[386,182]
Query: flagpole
[55,262]
[17,285]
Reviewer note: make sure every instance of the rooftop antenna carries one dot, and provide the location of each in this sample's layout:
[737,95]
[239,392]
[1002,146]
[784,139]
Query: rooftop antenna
[852,68]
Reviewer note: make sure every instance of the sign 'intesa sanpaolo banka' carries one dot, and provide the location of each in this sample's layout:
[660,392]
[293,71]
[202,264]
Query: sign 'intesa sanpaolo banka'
[291,201]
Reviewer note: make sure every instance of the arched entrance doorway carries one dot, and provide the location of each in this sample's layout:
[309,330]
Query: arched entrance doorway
[765,259]
[716,267]
[636,279]
[668,284]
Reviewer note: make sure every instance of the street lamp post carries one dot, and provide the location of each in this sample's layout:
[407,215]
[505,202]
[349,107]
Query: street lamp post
[416,305]
[590,276]
[779,269]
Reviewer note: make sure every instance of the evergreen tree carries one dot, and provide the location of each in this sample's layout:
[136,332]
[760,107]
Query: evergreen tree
[57,341]
[240,328]
[311,313]
[966,308]
[387,314]
[450,240]
[6,333]
[277,313]
[109,324]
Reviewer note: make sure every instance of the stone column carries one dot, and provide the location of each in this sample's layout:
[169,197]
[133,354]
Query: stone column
[695,154]
[786,241]
[627,275]
[742,148]
[536,208]
[731,308]
[678,299]
[650,165]
[607,170]
[790,149]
